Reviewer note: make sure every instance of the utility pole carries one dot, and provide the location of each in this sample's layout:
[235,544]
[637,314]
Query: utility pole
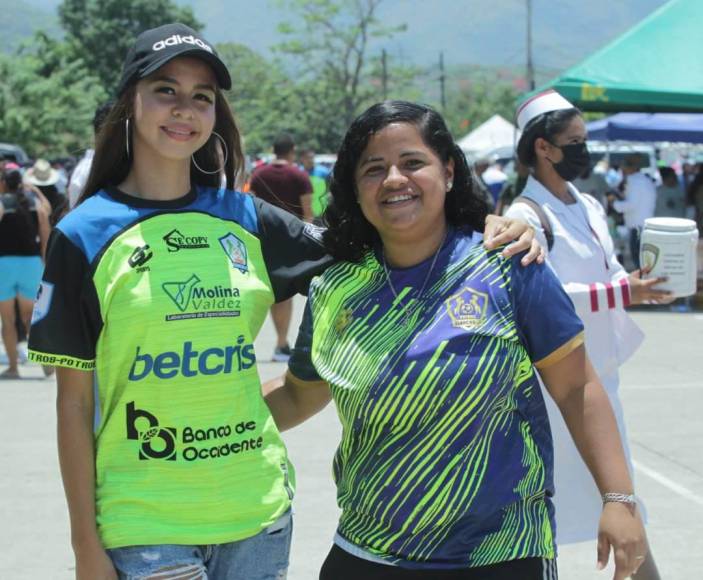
[442,79]
[530,64]
[384,74]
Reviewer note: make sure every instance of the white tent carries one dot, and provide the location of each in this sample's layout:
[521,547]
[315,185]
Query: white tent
[494,134]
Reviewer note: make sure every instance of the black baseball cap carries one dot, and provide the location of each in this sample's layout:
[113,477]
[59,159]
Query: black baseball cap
[154,48]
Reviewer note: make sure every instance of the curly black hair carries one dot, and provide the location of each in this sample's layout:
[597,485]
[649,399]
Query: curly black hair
[349,234]
[546,126]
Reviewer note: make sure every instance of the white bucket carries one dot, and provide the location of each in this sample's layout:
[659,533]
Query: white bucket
[668,248]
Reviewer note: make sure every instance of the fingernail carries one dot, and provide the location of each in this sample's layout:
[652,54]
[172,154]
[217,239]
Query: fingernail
[600,566]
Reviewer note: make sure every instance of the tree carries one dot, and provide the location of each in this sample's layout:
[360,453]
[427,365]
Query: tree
[48,114]
[100,32]
[331,45]
[264,100]
[472,101]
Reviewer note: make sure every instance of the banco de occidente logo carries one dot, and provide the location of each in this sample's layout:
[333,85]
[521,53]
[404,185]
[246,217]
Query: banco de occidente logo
[195,443]
[155,442]
[196,300]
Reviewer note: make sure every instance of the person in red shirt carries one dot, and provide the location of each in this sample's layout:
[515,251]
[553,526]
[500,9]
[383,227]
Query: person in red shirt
[281,183]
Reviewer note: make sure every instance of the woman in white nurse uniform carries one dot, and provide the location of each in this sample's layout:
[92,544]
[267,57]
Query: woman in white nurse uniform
[573,226]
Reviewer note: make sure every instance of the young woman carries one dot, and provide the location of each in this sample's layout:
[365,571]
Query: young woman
[24,231]
[155,287]
[428,343]
[553,145]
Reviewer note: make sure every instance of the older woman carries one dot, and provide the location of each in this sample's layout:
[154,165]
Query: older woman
[428,344]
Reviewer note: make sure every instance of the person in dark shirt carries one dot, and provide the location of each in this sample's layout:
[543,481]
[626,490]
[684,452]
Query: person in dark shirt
[24,231]
[513,187]
[282,184]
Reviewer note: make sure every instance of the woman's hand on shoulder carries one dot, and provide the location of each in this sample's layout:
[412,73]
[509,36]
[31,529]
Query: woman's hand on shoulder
[517,233]
[621,528]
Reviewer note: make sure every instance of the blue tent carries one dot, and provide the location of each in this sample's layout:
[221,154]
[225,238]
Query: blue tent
[678,127]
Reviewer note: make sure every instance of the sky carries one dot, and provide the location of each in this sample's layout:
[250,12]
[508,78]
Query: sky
[488,32]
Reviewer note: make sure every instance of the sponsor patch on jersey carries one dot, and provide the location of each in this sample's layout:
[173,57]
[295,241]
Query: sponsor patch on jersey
[197,300]
[43,302]
[236,251]
[176,241]
[139,257]
[467,309]
[313,232]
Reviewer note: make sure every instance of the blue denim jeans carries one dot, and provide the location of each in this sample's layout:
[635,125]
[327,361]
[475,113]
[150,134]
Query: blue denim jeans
[261,557]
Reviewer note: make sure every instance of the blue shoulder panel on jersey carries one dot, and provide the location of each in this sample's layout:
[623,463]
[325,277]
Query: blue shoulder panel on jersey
[228,205]
[97,220]
[100,218]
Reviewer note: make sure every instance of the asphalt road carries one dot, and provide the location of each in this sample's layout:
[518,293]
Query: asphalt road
[662,391]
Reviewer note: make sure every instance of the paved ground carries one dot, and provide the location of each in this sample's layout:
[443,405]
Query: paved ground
[663,396]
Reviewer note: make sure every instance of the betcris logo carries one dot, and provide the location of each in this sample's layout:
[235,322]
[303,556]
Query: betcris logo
[189,362]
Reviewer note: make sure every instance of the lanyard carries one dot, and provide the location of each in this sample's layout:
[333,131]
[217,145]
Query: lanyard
[595,235]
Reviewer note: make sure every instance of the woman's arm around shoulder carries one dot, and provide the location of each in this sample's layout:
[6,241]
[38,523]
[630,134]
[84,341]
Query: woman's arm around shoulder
[301,392]
[292,400]
[518,234]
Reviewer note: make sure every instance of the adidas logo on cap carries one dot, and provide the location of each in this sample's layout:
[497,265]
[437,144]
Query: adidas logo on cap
[178,39]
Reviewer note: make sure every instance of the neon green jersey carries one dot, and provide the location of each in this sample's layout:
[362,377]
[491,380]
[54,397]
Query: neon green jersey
[164,300]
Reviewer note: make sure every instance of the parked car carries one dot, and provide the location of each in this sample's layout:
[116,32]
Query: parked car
[13,152]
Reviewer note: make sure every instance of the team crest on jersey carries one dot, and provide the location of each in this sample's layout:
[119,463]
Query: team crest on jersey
[343,320]
[467,309]
[236,251]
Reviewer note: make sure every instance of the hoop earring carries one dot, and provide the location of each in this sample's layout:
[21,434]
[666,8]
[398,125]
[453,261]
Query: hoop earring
[224,164]
[126,136]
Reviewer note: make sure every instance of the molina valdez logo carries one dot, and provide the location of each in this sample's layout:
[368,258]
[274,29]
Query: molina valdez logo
[176,241]
[156,442]
[197,301]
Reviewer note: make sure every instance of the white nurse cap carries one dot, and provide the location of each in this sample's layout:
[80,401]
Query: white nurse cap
[539,104]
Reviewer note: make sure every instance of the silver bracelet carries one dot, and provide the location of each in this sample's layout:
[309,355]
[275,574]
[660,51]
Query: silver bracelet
[627,498]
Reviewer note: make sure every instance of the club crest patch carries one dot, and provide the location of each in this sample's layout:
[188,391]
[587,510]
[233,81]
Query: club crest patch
[343,320]
[43,302]
[467,309]
[236,251]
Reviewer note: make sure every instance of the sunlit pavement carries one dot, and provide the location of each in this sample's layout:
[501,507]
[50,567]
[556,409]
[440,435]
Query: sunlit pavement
[662,390]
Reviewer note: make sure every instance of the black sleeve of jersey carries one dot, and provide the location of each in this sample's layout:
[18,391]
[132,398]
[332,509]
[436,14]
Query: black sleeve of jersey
[300,363]
[66,321]
[292,250]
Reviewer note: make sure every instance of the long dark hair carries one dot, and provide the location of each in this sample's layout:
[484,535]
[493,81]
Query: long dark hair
[349,234]
[13,182]
[546,126]
[111,164]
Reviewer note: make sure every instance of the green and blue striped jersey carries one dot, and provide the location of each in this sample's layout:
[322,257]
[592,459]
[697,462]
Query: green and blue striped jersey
[446,458]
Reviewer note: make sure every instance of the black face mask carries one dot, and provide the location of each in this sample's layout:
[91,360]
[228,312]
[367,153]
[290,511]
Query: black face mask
[575,161]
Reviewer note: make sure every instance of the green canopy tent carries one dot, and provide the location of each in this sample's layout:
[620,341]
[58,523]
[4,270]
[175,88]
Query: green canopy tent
[655,66]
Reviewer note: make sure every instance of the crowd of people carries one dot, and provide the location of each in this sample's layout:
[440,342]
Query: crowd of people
[476,384]
[628,194]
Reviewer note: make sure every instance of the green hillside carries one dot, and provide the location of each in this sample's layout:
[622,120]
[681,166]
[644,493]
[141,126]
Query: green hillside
[19,20]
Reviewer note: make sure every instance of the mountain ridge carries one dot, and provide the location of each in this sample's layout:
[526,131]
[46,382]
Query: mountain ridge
[485,32]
